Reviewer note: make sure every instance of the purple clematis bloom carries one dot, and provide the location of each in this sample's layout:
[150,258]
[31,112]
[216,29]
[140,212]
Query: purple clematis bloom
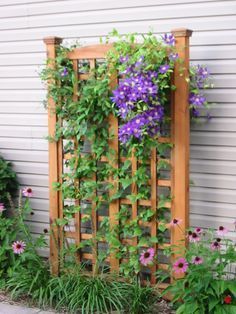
[173,56]
[164,68]
[196,100]
[169,39]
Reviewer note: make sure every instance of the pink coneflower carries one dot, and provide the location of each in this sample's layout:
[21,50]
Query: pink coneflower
[215,245]
[194,237]
[198,230]
[146,257]
[175,222]
[2,208]
[18,247]
[221,231]
[180,266]
[27,192]
[197,260]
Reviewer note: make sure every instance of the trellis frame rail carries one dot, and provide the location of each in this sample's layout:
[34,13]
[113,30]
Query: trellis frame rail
[179,182]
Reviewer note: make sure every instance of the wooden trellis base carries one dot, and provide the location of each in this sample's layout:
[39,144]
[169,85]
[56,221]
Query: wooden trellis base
[178,183]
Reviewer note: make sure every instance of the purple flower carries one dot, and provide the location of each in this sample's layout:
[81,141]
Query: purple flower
[124,59]
[18,247]
[196,100]
[146,257]
[215,245]
[197,260]
[180,266]
[221,231]
[64,72]
[194,237]
[169,39]
[164,68]
[198,230]
[27,192]
[176,222]
[173,56]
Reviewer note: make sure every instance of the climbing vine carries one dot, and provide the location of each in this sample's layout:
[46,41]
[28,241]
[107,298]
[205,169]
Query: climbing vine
[141,102]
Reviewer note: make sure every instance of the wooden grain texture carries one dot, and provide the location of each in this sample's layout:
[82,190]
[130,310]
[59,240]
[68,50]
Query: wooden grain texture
[180,129]
[154,224]
[55,166]
[77,216]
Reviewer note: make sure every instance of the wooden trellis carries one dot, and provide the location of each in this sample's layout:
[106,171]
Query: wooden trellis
[179,160]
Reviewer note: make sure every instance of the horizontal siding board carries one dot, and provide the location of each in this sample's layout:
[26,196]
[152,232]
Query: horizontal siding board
[129,14]
[40,196]
[206,194]
[213,180]
[213,166]
[24,95]
[33,180]
[21,131]
[24,119]
[216,124]
[213,152]
[80,31]
[213,209]
[31,167]
[18,155]
[23,144]
[39,8]
[213,138]
[22,107]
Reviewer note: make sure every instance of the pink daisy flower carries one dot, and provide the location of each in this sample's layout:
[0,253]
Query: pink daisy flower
[18,247]
[215,245]
[27,192]
[194,237]
[197,260]
[180,266]
[146,257]
[221,231]
[198,230]
[2,208]
[175,222]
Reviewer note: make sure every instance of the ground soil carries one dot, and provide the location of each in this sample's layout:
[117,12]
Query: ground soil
[161,307]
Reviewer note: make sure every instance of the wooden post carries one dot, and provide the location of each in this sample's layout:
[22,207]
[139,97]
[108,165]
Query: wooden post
[55,165]
[180,138]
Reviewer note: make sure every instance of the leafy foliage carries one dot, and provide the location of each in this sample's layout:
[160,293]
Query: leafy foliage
[8,182]
[209,284]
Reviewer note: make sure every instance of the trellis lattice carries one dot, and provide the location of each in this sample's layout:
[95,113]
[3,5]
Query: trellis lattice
[177,183]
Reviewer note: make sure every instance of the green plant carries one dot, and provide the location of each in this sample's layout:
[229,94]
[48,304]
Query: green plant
[144,115]
[8,182]
[21,266]
[209,282]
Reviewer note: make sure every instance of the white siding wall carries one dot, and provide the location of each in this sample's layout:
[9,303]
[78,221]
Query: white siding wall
[23,121]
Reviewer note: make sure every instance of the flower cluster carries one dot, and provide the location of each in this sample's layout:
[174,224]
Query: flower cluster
[199,79]
[136,98]
[181,265]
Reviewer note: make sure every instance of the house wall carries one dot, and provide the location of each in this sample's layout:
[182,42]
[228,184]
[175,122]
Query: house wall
[23,120]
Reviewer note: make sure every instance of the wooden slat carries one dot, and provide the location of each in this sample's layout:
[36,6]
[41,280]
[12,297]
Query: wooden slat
[54,167]
[114,205]
[164,182]
[180,130]
[126,201]
[90,52]
[164,140]
[134,190]
[76,181]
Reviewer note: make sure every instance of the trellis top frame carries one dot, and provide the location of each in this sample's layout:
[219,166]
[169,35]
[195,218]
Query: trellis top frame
[180,129]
